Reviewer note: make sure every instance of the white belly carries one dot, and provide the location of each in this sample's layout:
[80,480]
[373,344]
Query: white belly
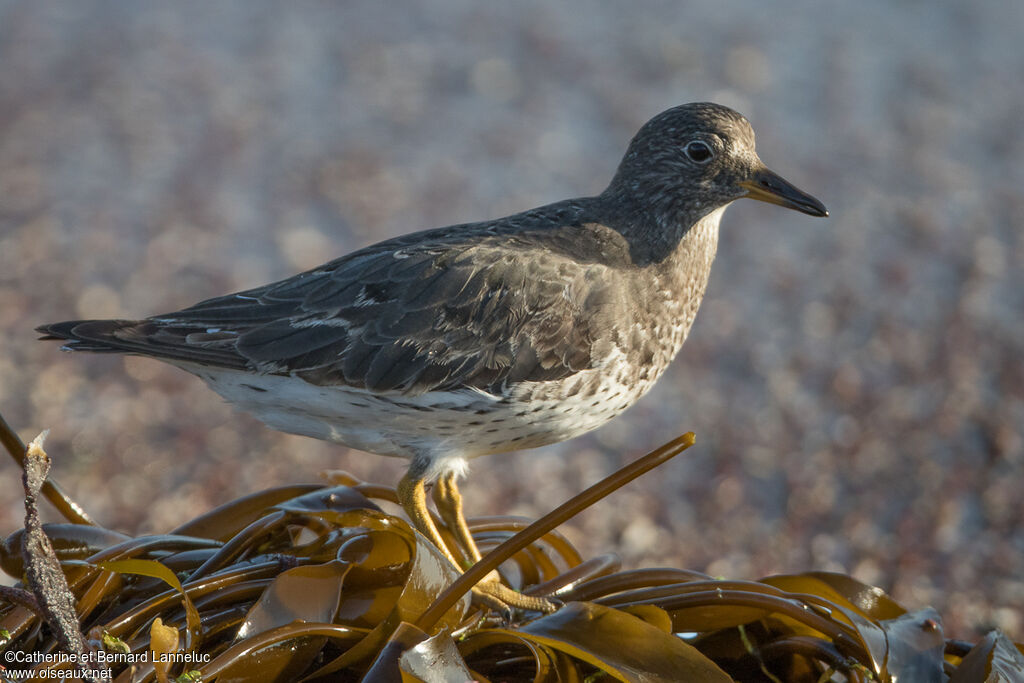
[450,426]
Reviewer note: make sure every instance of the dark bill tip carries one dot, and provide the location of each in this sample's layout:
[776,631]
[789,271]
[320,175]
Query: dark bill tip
[767,186]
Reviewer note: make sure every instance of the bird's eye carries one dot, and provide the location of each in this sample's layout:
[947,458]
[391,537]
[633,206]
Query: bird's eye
[699,151]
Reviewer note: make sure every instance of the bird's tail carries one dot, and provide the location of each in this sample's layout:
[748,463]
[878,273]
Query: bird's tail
[100,336]
[168,342]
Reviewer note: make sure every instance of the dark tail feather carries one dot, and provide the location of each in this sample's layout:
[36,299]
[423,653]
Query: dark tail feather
[140,337]
[88,335]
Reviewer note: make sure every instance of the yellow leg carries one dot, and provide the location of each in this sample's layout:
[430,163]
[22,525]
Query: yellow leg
[412,496]
[490,591]
[449,505]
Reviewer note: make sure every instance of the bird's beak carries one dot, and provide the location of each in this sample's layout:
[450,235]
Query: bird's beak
[767,186]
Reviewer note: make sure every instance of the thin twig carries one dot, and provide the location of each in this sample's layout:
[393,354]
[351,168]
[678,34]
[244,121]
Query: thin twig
[22,598]
[42,569]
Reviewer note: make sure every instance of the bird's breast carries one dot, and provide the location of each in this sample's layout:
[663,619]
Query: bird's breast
[635,349]
[666,297]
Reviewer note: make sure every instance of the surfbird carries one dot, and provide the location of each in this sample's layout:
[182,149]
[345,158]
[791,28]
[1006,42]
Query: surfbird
[444,345]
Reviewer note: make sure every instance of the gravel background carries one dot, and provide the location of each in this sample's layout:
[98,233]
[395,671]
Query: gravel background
[856,384]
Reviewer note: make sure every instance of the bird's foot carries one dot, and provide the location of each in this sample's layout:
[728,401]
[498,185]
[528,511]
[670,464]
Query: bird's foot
[490,592]
[499,598]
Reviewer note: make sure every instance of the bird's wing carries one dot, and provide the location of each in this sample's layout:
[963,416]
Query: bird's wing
[410,318]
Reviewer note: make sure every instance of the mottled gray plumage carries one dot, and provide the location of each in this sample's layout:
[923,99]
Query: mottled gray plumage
[510,333]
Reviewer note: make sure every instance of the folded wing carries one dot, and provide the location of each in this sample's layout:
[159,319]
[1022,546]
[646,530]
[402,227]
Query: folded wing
[402,316]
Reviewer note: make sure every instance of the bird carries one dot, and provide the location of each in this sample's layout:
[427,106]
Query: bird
[448,344]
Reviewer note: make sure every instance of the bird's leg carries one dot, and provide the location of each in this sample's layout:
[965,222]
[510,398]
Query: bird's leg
[490,591]
[412,496]
[449,505]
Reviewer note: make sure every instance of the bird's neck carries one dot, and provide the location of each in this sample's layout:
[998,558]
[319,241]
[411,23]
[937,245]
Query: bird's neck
[678,283]
[664,227]
[695,250]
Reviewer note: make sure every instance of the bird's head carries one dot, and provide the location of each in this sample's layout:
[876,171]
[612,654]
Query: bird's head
[695,158]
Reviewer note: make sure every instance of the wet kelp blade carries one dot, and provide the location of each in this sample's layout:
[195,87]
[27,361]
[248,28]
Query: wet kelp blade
[268,655]
[70,542]
[429,573]
[870,601]
[436,658]
[915,646]
[306,593]
[620,644]
[225,521]
[156,570]
[994,659]
[411,655]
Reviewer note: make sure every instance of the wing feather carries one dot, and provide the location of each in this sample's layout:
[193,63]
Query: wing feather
[450,309]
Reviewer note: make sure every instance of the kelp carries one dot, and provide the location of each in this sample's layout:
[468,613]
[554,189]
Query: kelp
[317,583]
